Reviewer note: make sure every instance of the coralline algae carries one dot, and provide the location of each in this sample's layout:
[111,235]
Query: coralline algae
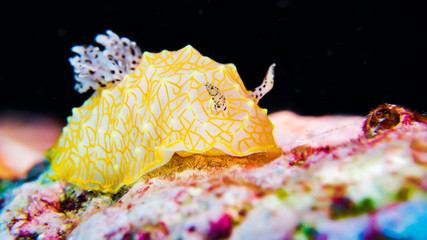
[371,186]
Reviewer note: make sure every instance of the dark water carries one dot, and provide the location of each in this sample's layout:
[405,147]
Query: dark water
[332,56]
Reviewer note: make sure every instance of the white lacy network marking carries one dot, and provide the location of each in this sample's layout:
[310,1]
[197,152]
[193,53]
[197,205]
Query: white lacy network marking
[266,85]
[94,69]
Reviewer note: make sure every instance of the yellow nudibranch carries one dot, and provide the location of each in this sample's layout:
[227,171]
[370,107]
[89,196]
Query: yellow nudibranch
[147,106]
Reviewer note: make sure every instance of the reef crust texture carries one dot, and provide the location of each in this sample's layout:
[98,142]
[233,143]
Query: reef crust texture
[365,178]
[172,145]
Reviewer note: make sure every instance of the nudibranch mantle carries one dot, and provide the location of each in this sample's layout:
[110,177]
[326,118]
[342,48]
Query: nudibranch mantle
[125,130]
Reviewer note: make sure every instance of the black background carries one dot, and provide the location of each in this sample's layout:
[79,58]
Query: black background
[333,57]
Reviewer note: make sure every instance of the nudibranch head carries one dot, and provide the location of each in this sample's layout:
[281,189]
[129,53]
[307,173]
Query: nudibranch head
[173,101]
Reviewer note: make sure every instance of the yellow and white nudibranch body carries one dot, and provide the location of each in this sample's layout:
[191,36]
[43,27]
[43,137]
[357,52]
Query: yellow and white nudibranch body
[148,106]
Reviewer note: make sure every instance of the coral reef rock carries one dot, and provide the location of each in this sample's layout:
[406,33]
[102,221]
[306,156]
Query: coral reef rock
[340,177]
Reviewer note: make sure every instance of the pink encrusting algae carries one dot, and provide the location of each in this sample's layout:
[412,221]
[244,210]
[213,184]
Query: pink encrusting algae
[336,192]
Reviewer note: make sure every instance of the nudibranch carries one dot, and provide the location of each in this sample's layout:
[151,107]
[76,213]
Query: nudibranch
[148,106]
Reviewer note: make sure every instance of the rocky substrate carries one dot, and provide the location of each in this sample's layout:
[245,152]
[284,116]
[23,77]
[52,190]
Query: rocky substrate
[339,177]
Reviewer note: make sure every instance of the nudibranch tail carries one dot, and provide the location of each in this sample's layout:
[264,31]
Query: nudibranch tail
[219,101]
[266,85]
[94,69]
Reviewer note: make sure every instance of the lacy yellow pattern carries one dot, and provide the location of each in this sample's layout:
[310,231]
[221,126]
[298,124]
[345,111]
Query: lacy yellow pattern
[135,126]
